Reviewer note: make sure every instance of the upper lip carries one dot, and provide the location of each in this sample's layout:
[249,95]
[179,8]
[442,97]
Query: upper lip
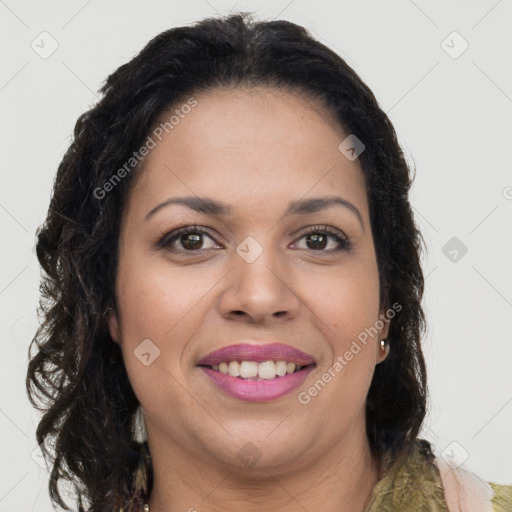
[258,353]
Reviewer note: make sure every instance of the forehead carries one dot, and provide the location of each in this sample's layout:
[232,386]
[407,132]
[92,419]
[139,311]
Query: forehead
[225,118]
[248,145]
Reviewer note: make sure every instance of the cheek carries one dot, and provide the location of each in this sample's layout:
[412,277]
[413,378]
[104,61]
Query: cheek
[156,303]
[346,300]
[346,305]
[160,305]
[155,298]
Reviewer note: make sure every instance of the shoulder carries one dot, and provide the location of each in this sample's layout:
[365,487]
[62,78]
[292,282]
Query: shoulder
[422,481]
[464,491]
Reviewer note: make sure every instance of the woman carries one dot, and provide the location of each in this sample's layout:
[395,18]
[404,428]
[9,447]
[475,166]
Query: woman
[232,306]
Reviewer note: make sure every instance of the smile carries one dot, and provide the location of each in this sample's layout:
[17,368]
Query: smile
[256,372]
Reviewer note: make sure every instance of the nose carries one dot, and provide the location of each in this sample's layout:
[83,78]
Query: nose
[260,291]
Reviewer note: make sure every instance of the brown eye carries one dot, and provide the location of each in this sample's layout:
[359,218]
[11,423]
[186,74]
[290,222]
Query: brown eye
[191,241]
[187,239]
[317,239]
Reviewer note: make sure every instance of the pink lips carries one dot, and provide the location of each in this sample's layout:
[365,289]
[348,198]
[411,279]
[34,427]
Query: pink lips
[257,353]
[258,390]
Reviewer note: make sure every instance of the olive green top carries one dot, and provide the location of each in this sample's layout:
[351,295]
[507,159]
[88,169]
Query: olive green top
[416,486]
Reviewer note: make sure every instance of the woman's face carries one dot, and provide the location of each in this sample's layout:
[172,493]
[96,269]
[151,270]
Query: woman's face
[255,276]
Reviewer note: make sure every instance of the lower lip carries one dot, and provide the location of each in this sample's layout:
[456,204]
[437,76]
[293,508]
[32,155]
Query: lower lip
[258,390]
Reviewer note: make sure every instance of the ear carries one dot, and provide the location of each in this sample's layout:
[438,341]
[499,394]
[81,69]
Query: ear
[113,324]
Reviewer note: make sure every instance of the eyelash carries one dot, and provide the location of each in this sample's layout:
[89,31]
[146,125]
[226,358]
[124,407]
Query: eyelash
[166,241]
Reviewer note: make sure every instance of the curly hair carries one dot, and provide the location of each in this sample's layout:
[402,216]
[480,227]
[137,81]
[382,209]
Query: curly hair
[76,376]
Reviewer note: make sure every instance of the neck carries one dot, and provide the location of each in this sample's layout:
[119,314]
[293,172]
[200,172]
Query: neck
[340,480]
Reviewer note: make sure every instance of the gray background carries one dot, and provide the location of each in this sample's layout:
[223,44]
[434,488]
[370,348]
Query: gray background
[452,114]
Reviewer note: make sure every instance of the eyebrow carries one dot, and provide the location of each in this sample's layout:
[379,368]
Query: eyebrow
[301,207]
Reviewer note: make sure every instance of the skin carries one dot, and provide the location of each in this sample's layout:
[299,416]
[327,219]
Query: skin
[250,147]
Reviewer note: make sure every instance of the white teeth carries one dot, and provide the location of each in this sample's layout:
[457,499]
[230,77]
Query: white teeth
[280,368]
[290,367]
[265,370]
[234,368]
[248,369]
